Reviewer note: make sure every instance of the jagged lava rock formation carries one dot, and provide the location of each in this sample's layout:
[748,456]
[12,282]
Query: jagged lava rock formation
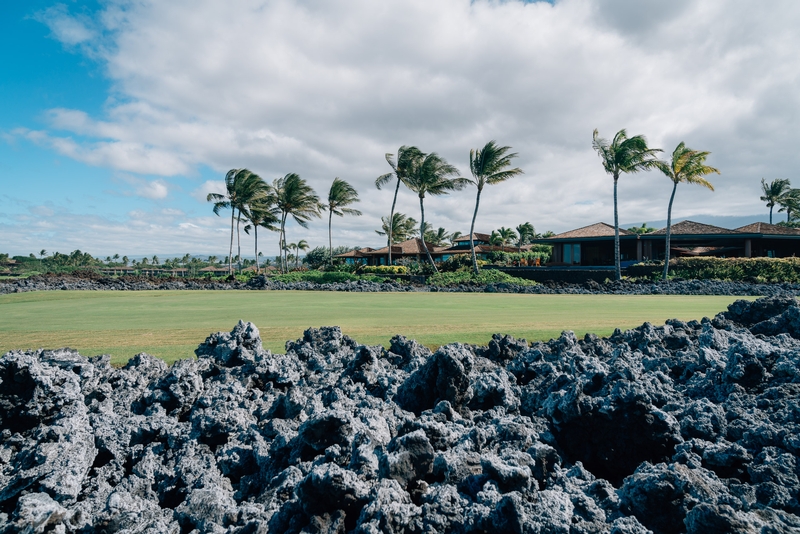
[685,427]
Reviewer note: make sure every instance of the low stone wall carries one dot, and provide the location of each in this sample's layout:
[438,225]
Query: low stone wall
[683,427]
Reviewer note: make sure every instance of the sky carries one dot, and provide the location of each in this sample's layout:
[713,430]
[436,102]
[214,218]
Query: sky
[118,117]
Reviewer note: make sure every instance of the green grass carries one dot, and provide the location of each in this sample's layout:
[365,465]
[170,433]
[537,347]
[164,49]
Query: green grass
[170,324]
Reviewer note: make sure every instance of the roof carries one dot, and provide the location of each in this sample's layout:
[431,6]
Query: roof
[211,269]
[361,253]
[768,229]
[480,249]
[693,228]
[600,229]
[409,247]
[475,236]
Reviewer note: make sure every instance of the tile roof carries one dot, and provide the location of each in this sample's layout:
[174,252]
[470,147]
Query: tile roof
[769,229]
[361,253]
[476,236]
[600,229]
[693,228]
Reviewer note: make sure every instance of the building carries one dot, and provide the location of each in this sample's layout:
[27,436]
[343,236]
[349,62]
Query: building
[594,245]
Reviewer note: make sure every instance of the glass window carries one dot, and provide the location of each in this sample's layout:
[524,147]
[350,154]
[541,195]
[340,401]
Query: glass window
[576,253]
[567,253]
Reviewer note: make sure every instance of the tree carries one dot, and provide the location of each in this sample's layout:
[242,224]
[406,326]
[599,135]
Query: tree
[408,157]
[262,212]
[790,203]
[401,227]
[504,236]
[155,260]
[687,166]
[125,261]
[297,247]
[434,176]
[489,165]
[437,237]
[774,193]
[295,198]
[525,232]
[623,155]
[340,195]
[242,188]
[641,230]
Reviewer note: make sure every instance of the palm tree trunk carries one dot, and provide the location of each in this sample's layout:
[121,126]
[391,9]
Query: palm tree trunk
[391,220]
[617,268]
[472,231]
[230,253]
[669,230]
[281,240]
[330,239]
[770,214]
[239,242]
[422,235]
[255,228]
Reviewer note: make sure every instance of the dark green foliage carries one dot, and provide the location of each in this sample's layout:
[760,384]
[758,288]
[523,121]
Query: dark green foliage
[319,256]
[321,277]
[485,276]
[736,269]
[543,252]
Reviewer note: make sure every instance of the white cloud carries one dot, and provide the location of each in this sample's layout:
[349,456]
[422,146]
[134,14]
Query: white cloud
[149,189]
[69,29]
[207,187]
[326,88]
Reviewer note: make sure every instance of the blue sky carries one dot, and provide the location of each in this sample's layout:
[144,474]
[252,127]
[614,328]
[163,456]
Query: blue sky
[118,117]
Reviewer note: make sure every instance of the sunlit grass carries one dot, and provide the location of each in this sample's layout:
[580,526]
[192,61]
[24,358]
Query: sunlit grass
[170,324]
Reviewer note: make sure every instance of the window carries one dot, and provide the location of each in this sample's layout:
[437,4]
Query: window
[567,253]
[572,254]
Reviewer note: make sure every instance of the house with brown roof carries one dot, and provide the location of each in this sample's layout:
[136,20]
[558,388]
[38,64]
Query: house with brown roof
[409,249]
[355,257]
[594,245]
[483,247]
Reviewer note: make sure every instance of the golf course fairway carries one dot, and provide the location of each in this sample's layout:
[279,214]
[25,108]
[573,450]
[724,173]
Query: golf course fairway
[170,324]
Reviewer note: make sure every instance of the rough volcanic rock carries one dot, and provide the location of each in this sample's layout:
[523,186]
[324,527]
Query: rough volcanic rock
[684,427]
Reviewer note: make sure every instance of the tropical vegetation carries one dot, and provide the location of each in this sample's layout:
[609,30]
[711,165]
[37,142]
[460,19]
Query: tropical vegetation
[687,166]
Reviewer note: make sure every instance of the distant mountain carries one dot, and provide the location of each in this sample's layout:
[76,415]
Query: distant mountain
[728,221]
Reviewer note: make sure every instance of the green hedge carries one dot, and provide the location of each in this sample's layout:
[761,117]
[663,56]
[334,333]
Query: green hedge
[320,277]
[735,269]
[488,276]
[384,269]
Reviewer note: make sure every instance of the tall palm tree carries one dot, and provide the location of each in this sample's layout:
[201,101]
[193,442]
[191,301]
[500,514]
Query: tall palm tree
[774,193]
[489,165]
[340,195]
[790,203]
[262,212]
[434,176]
[295,198]
[242,188]
[623,155]
[401,227]
[687,166]
[408,157]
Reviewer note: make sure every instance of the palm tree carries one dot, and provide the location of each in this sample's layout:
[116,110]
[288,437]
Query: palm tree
[295,198]
[155,260]
[437,237]
[125,261]
[526,232]
[262,212]
[489,165]
[687,166]
[300,245]
[505,235]
[790,203]
[401,228]
[340,195]
[432,175]
[454,236]
[408,157]
[242,188]
[623,155]
[774,193]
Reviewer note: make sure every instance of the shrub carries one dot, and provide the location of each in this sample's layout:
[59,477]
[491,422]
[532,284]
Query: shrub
[458,262]
[319,256]
[384,269]
[735,269]
[486,276]
[540,252]
[321,277]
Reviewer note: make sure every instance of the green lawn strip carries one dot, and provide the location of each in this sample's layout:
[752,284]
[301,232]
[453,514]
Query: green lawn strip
[170,324]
